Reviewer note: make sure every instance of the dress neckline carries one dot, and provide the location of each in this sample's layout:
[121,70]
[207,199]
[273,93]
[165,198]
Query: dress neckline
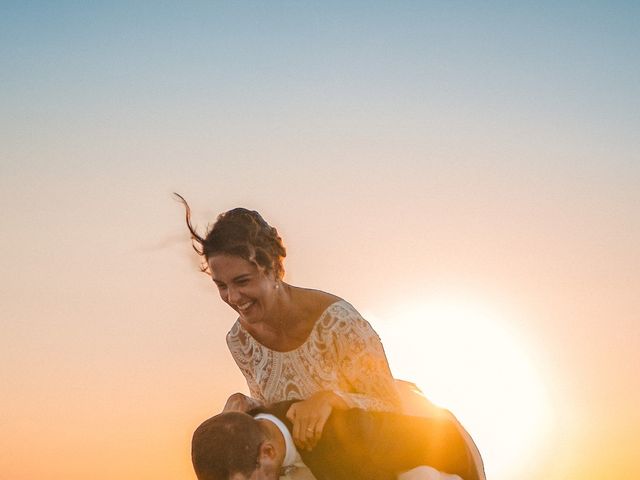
[306,340]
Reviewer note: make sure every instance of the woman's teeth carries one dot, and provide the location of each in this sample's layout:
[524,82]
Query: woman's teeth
[244,306]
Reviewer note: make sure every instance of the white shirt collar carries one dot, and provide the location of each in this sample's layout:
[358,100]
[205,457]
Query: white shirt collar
[291,455]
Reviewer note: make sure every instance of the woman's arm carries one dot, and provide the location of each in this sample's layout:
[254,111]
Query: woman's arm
[239,402]
[364,365]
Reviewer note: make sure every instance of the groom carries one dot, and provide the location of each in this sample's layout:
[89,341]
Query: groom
[355,445]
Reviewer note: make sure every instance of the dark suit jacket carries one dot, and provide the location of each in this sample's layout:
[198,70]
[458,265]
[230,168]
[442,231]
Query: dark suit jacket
[361,445]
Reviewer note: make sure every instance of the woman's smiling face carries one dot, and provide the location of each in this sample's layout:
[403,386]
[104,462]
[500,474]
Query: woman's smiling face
[243,286]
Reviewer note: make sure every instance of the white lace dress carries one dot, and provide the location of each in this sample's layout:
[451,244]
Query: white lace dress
[342,353]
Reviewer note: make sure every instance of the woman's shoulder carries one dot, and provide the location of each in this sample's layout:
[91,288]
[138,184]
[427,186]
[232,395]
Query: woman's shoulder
[313,303]
[343,324]
[330,311]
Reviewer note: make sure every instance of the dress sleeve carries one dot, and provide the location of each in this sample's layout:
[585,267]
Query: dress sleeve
[363,365]
[241,350]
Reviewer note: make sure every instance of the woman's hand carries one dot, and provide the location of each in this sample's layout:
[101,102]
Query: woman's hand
[309,417]
[239,402]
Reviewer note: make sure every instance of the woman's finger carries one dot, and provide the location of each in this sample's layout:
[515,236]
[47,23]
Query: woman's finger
[300,425]
[298,432]
[317,433]
[307,433]
[302,438]
[291,413]
[237,402]
[318,428]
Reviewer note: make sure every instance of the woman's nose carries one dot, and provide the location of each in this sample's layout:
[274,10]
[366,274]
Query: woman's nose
[233,295]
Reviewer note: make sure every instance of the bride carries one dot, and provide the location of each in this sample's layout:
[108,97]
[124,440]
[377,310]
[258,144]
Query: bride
[297,343]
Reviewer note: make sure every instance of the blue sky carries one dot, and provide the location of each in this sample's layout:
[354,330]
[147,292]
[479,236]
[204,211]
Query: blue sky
[489,149]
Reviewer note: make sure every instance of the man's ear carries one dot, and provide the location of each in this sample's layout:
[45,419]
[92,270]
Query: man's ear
[267,451]
[269,463]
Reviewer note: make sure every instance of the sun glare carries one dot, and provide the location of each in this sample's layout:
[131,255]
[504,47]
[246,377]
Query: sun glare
[464,358]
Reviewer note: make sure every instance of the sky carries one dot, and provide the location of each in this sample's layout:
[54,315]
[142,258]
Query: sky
[466,174]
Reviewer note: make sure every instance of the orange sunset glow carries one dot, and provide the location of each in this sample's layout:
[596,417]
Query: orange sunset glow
[467,176]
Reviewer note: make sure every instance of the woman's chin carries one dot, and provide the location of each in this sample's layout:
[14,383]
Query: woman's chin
[249,315]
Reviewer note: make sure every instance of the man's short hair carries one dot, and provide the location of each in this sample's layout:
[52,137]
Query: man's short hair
[226,444]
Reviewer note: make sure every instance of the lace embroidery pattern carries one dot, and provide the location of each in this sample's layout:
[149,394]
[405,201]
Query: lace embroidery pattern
[342,353]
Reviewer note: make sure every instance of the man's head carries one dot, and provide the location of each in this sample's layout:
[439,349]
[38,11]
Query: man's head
[235,446]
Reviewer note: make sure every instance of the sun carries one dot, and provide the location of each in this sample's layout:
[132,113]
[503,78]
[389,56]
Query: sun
[466,358]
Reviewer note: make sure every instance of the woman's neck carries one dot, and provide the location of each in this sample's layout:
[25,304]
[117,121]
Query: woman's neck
[282,310]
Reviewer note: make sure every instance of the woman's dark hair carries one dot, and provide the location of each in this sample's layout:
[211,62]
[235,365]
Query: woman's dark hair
[242,233]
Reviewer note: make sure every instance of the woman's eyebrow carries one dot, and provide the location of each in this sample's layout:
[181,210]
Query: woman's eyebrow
[241,277]
[234,279]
